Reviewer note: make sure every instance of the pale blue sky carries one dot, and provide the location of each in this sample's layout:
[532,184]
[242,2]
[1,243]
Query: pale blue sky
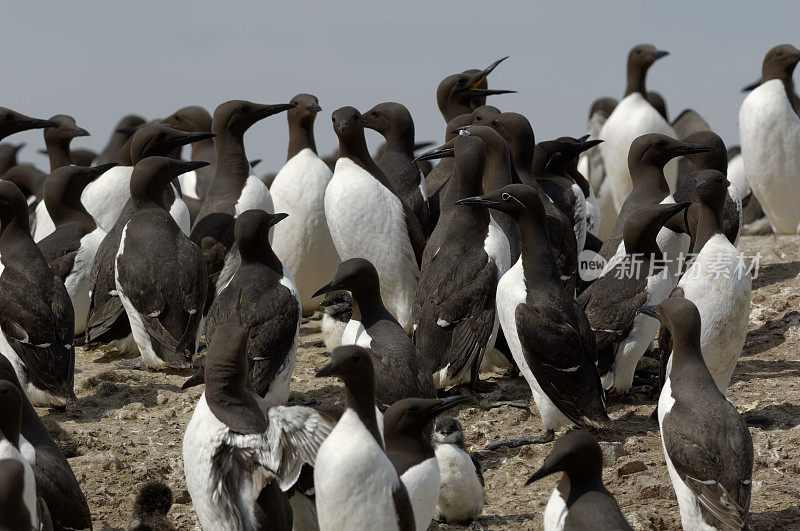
[97,60]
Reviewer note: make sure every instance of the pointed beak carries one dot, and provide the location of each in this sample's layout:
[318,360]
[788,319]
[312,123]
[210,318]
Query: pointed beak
[327,370]
[188,138]
[255,162]
[659,54]
[79,131]
[539,474]
[323,290]
[187,166]
[269,110]
[97,171]
[477,200]
[691,149]
[447,404]
[648,310]
[343,126]
[314,108]
[588,144]
[752,86]
[277,217]
[584,138]
[35,123]
[463,130]
[483,74]
[441,152]
[677,207]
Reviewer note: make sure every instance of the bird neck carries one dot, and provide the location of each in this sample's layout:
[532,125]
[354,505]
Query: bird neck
[232,164]
[636,78]
[649,182]
[368,307]
[400,140]
[497,171]
[538,263]
[123,155]
[261,253]
[68,208]
[361,399]
[301,136]
[709,224]
[59,154]
[204,150]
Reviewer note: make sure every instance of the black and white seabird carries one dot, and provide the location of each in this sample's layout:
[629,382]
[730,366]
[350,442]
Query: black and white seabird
[393,121]
[712,160]
[302,241]
[454,318]
[706,442]
[55,482]
[269,310]
[12,462]
[70,249]
[463,93]
[232,191]
[368,220]
[397,364]
[769,130]
[580,500]
[57,139]
[106,320]
[409,447]
[353,457]
[549,336]
[717,281]
[160,274]
[36,317]
[632,117]
[239,454]
[119,136]
[592,167]
[461,495]
[634,278]
[195,119]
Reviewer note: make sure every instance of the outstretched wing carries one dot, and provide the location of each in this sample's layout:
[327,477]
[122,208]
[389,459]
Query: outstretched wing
[294,435]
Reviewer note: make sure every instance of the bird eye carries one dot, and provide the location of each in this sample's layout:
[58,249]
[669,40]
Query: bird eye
[374,114]
[478,118]
[778,54]
[461,82]
[506,196]
[495,123]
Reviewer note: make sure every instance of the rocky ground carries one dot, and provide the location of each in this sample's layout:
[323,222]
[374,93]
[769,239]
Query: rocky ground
[128,424]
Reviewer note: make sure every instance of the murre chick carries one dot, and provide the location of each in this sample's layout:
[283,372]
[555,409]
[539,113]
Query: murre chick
[633,279]
[769,130]
[461,495]
[707,446]
[238,459]
[549,336]
[36,312]
[368,220]
[632,117]
[353,457]
[580,500]
[302,241]
[160,274]
[270,313]
[233,189]
[70,249]
[454,317]
[398,366]
[718,282]
[409,447]
[393,121]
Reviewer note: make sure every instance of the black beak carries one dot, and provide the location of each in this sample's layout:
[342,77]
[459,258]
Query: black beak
[690,149]
[126,130]
[447,404]
[277,217]
[659,54]
[343,126]
[489,92]
[648,310]
[314,107]
[755,84]
[483,74]
[327,370]
[588,144]
[97,171]
[677,207]
[80,131]
[187,166]
[478,200]
[269,110]
[463,130]
[584,138]
[702,187]
[323,290]
[539,474]
[189,138]
[35,123]
[255,162]
[442,152]
[194,380]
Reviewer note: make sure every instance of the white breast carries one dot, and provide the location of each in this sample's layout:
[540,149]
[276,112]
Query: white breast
[278,392]
[255,194]
[180,213]
[737,175]
[366,220]
[302,241]
[555,512]
[461,493]
[497,247]
[633,117]
[422,482]
[77,282]
[579,218]
[510,294]
[354,479]
[9,451]
[105,197]
[355,334]
[770,134]
[188,182]
[44,225]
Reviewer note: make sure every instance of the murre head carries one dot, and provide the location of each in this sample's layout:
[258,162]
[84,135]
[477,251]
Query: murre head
[14,513]
[484,114]
[65,131]
[712,188]
[603,106]
[226,374]
[347,123]
[516,200]
[715,159]
[682,319]
[640,59]
[304,108]
[393,121]
[10,412]
[464,92]
[151,176]
[13,122]
[554,157]
[643,225]
[192,119]
[779,63]
[252,233]
[63,188]
[576,453]
[158,140]
[356,275]
[353,365]
[409,417]
[235,117]
[13,207]
[655,150]
[448,430]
